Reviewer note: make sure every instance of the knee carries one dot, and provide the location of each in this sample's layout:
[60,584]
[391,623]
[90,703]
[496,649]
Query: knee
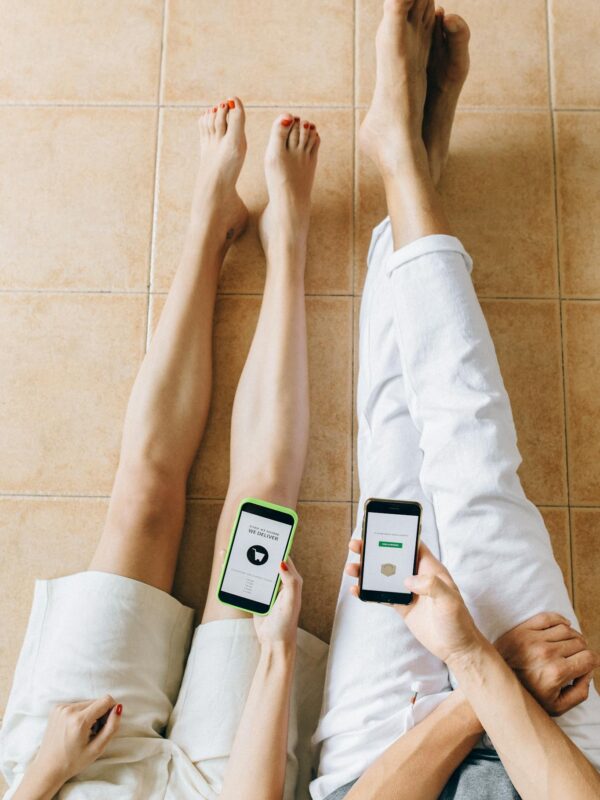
[272,486]
[147,498]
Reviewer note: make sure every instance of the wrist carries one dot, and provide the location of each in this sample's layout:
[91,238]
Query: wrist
[471,656]
[40,782]
[279,651]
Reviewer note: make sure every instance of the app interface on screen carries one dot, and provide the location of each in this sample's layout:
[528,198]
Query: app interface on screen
[258,550]
[390,552]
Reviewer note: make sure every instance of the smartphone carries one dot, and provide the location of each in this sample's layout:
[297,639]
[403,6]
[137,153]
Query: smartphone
[390,534]
[261,539]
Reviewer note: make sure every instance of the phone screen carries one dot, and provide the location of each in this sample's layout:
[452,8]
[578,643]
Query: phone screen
[390,545]
[258,548]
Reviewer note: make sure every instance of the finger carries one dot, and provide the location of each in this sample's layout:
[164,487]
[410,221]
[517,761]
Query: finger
[579,664]
[355,546]
[546,619]
[353,570]
[572,695]
[354,590]
[99,742]
[98,708]
[560,633]
[288,572]
[569,648]
[428,585]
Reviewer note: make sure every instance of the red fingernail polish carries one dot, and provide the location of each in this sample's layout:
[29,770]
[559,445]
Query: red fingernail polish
[231,104]
[312,127]
[284,566]
[286,123]
[306,125]
[119,710]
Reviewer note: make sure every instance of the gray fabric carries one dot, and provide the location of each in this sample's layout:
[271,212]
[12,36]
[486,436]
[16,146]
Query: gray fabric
[481,776]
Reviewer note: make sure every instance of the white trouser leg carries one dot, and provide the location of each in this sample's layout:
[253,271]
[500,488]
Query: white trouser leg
[374,661]
[492,539]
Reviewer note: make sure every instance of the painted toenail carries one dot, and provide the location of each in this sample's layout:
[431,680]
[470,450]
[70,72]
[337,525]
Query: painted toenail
[223,105]
[296,119]
[286,123]
[312,127]
[231,104]
[306,125]
[214,109]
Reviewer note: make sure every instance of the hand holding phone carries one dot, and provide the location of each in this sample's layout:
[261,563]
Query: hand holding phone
[261,539]
[390,540]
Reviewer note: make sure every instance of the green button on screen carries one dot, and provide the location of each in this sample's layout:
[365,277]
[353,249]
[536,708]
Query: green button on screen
[391,544]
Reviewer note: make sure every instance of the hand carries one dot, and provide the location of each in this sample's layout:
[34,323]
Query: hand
[281,623]
[551,659]
[69,744]
[437,616]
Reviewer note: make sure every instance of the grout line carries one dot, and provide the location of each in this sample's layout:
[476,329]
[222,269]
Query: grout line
[558,269]
[158,140]
[353,431]
[75,496]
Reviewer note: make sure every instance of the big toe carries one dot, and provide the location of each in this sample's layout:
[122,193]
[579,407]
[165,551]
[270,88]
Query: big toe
[281,131]
[236,117]
[457,31]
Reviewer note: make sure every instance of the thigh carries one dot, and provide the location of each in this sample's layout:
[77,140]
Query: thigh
[89,635]
[142,533]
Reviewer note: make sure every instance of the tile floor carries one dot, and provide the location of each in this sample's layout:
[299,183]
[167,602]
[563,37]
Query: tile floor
[97,109]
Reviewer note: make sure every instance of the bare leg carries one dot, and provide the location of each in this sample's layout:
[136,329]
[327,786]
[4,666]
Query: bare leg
[269,427]
[169,402]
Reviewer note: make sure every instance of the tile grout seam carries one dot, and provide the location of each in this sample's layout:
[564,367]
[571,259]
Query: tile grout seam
[551,89]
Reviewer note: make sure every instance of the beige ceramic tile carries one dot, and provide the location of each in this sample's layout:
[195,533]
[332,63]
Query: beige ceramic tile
[329,267]
[498,188]
[80,52]
[527,339]
[508,51]
[578,182]
[39,538]
[269,53]
[557,523]
[67,362]
[327,475]
[76,197]
[581,330]
[498,191]
[586,572]
[575,54]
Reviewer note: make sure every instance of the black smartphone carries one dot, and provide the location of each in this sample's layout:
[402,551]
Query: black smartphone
[261,539]
[390,535]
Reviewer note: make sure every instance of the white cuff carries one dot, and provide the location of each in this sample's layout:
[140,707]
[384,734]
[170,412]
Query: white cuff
[428,245]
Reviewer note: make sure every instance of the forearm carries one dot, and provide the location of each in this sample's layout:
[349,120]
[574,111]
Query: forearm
[419,764]
[38,786]
[539,759]
[256,769]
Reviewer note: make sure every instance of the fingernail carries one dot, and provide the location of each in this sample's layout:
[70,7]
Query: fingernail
[312,127]
[286,122]
[284,566]
[119,710]
[306,126]
[231,104]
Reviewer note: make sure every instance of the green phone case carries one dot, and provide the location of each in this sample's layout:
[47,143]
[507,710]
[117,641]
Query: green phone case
[275,507]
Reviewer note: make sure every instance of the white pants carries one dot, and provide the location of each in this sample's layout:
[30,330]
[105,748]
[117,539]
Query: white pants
[435,425]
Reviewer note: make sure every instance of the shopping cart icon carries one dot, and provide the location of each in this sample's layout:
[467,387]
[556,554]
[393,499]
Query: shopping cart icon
[257,555]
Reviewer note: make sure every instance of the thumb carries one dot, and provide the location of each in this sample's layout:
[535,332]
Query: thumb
[428,585]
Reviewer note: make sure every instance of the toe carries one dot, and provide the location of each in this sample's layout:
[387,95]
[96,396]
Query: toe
[429,14]
[313,138]
[281,129]
[304,130]
[211,118]
[418,10]
[221,117]
[236,116]
[402,7]
[294,137]
[456,29]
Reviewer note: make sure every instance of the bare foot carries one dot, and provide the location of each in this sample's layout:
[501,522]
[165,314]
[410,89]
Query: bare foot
[290,163]
[391,132]
[446,73]
[216,203]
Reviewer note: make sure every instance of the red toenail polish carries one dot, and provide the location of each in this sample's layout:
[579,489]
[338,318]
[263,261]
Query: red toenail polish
[296,119]
[214,109]
[231,104]
[223,105]
[286,123]
[306,125]
[312,127]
